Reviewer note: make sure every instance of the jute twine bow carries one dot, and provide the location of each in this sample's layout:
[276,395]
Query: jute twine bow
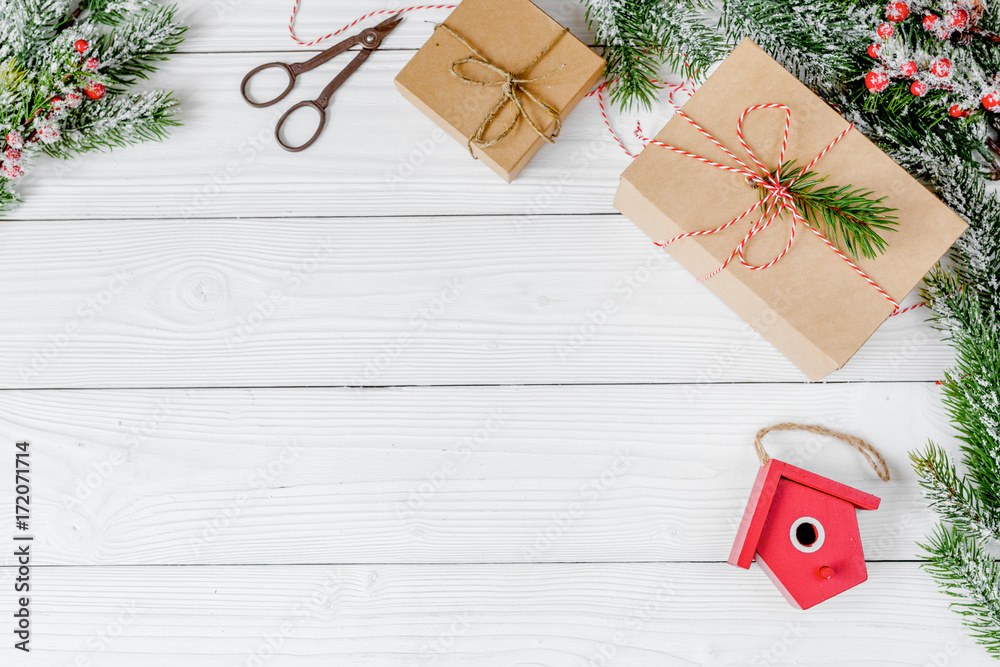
[875,459]
[511,89]
[776,200]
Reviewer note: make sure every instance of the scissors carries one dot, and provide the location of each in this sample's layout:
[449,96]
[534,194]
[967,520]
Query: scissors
[369,39]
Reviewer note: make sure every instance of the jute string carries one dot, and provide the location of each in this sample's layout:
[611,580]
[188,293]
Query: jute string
[874,458]
[512,89]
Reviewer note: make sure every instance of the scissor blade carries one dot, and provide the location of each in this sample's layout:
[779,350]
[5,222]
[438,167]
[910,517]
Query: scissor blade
[388,25]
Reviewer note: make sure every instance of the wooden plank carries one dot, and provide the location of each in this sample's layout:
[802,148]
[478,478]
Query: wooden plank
[262,25]
[649,615]
[378,156]
[464,300]
[525,474]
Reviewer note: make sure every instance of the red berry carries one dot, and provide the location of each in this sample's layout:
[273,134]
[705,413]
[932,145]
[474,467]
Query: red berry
[934,24]
[874,49]
[81,45]
[885,30]
[15,140]
[941,67]
[908,69]
[958,19]
[876,81]
[958,112]
[94,90]
[49,133]
[991,100]
[12,171]
[897,11]
[918,88]
[91,65]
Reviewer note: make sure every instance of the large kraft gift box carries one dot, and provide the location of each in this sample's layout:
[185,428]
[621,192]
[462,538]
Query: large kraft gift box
[811,304]
[510,34]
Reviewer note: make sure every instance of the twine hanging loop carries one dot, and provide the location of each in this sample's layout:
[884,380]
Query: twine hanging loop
[512,91]
[873,456]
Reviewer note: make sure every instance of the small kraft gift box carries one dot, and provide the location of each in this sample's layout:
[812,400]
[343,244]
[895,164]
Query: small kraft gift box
[500,76]
[716,187]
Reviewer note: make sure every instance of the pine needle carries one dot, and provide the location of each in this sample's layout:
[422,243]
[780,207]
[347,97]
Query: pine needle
[850,217]
[638,38]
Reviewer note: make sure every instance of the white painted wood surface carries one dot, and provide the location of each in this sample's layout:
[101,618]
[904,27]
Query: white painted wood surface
[353,392]
[383,301]
[444,474]
[498,615]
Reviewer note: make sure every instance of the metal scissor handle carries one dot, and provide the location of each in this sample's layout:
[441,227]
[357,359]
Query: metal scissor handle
[289,70]
[293,70]
[369,39]
[320,109]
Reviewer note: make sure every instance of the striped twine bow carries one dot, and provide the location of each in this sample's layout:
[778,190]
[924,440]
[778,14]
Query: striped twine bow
[776,201]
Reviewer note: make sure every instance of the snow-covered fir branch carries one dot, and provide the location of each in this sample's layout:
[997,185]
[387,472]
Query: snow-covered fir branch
[952,496]
[121,120]
[65,69]
[28,25]
[638,38]
[142,37]
[964,570]
[816,40]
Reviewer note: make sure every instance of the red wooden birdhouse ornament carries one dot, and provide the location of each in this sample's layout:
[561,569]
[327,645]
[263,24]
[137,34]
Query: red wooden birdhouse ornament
[802,529]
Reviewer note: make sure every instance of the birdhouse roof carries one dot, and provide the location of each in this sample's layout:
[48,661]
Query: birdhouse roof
[759,504]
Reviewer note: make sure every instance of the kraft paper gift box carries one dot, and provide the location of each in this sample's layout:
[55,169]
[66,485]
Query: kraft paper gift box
[510,35]
[811,305]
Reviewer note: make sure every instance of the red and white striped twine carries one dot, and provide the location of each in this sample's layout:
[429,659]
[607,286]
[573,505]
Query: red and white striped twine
[295,10]
[900,311]
[777,200]
[686,86]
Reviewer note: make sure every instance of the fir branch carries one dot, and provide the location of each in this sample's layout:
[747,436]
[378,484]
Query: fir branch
[112,12]
[967,571]
[813,39]
[971,396]
[851,217]
[121,121]
[967,298]
[29,25]
[8,197]
[64,75]
[965,304]
[139,41]
[952,496]
[638,37]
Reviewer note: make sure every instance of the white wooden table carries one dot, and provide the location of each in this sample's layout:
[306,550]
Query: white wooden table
[370,405]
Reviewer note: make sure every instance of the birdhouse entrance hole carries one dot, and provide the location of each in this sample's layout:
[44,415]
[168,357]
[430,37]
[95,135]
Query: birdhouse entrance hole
[807,534]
